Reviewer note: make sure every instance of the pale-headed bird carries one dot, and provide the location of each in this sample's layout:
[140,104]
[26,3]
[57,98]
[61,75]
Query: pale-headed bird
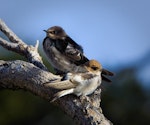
[65,54]
[82,83]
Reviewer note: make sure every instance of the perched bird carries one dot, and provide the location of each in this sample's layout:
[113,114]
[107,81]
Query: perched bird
[64,53]
[80,83]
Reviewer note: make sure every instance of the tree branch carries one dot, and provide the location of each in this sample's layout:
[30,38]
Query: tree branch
[24,75]
[18,46]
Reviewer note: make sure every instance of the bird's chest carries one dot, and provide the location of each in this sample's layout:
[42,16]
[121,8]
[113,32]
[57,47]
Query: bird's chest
[58,59]
[89,86]
[57,56]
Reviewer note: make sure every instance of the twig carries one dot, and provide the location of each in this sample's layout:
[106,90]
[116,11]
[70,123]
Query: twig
[12,37]
[18,46]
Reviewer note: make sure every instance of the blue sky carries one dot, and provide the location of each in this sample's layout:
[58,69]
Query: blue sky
[113,32]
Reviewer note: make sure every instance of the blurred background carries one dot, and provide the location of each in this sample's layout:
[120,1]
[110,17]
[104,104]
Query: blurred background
[116,33]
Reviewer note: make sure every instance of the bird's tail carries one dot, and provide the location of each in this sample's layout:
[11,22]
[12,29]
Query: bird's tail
[106,72]
[62,93]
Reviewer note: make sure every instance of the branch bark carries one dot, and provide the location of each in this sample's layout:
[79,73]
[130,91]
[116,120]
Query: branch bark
[32,75]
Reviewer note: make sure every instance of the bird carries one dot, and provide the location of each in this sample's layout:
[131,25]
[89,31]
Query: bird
[64,54]
[81,83]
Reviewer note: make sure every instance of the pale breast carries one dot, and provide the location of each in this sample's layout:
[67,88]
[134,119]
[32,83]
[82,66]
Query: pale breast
[87,87]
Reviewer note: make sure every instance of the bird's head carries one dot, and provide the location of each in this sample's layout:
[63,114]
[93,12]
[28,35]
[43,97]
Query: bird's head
[93,66]
[55,32]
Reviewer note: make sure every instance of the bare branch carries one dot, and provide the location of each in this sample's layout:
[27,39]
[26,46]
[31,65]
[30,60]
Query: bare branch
[18,46]
[37,45]
[12,37]
[7,45]
[31,78]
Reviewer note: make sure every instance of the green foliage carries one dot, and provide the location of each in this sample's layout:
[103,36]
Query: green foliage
[125,101]
[22,108]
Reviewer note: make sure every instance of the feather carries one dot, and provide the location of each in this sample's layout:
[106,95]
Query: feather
[106,72]
[62,93]
[67,84]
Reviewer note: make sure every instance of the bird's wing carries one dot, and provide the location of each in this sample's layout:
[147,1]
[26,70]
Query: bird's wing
[66,84]
[46,43]
[62,93]
[75,56]
[106,72]
[75,52]
[75,45]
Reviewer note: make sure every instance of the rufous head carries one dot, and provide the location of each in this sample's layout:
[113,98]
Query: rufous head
[93,66]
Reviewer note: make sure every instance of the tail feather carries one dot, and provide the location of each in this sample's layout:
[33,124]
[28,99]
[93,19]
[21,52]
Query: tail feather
[106,79]
[62,93]
[106,72]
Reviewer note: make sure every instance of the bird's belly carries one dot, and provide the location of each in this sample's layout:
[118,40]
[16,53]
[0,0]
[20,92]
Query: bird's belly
[88,87]
[59,61]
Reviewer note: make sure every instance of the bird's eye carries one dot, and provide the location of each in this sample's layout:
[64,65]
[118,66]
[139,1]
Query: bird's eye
[94,68]
[53,32]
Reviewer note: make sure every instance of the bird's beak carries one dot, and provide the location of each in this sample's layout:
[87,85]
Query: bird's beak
[45,31]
